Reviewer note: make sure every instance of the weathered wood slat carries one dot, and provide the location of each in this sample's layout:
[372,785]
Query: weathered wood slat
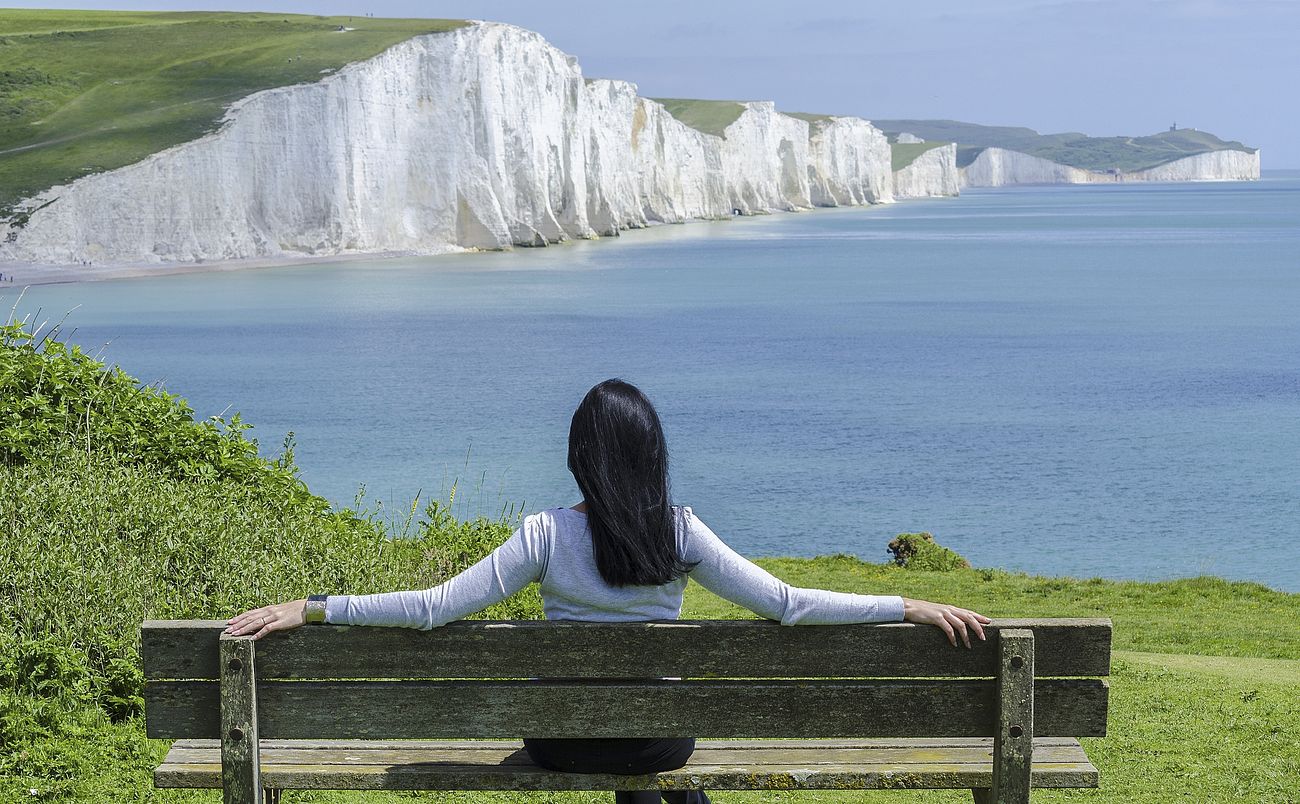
[731,777]
[421,709]
[767,755]
[768,765]
[741,745]
[187,649]
[854,777]
[810,695]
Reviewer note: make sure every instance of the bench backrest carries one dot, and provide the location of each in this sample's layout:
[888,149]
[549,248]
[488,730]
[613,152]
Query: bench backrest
[482,679]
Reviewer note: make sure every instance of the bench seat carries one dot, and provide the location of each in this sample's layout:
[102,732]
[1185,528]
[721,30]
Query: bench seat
[773,708]
[857,764]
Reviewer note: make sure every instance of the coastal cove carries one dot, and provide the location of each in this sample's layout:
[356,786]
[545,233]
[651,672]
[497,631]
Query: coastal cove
[1092,381]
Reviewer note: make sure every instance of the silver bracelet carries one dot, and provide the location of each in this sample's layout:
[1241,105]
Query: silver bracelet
[314,610]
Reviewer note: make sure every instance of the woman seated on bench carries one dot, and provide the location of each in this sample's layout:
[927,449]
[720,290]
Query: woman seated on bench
[622,554]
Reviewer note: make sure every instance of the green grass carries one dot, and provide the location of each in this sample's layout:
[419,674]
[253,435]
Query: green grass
[1068,148]
[1134,153]
[87,91]
[810,118]
[1266,671]
[1189,726]
[902,154]
[709,116]
[967,154]
[1206,615]
[117,506]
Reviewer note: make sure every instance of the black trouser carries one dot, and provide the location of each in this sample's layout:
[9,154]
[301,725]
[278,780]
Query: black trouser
[629,757]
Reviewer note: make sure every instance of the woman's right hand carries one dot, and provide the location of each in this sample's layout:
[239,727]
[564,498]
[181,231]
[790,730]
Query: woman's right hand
[260,622]
[950,619]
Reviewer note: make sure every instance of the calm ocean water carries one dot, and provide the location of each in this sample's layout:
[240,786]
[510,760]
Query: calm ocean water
[1080,381]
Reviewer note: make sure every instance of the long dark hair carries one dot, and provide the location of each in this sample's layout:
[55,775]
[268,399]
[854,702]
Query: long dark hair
[619,458]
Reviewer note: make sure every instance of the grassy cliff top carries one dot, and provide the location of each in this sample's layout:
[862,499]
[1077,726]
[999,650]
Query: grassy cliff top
[709,116]
[87,91]
[1067,148]
[808,117]
[902,154]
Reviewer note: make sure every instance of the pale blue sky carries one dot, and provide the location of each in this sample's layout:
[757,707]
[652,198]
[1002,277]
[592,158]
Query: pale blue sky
[1098,66]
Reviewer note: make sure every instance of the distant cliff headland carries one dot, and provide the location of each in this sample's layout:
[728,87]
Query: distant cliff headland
[134,138]
[993,156]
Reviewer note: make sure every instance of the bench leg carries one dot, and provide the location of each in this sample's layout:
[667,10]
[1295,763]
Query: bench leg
[982,795]
[270,796]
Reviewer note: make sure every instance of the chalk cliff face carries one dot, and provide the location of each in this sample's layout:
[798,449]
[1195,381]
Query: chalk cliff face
[996,167]
[933,173]
[675,171]
[849,163]
[764,161]
[482,137]
[1211,166]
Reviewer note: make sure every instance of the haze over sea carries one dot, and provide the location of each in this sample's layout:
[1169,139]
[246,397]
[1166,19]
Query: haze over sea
[1088,381]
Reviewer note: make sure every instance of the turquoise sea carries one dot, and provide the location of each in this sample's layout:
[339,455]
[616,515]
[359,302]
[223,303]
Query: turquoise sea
[1088,381]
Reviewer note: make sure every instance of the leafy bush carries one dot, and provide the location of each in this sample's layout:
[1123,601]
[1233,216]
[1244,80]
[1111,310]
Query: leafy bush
[116,506]
[919,551]
[57,396]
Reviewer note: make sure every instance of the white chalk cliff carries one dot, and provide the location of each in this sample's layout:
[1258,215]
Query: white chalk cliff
[933,173]
[482,137]
[1226,165]
[997,167]
[848,163]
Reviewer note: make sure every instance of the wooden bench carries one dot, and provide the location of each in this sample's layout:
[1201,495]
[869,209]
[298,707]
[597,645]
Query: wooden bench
[902,707]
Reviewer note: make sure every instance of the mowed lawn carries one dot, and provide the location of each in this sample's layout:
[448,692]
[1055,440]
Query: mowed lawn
[87,91]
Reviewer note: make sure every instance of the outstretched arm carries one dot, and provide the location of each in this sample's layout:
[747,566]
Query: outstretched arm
[505,571]
[726,573]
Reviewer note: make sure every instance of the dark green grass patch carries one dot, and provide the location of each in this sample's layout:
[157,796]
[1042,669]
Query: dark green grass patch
[809,118]
[83,92]
[966,154]
[709,116]
[902,154]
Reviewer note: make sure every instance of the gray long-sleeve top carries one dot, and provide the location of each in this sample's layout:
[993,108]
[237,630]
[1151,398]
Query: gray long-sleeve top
[554,548]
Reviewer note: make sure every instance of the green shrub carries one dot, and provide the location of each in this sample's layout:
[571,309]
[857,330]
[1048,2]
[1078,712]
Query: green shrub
[116,506]
[56,397]
[919,551]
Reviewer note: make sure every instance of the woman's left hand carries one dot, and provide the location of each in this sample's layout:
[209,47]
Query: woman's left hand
[953,621]
[260,622]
